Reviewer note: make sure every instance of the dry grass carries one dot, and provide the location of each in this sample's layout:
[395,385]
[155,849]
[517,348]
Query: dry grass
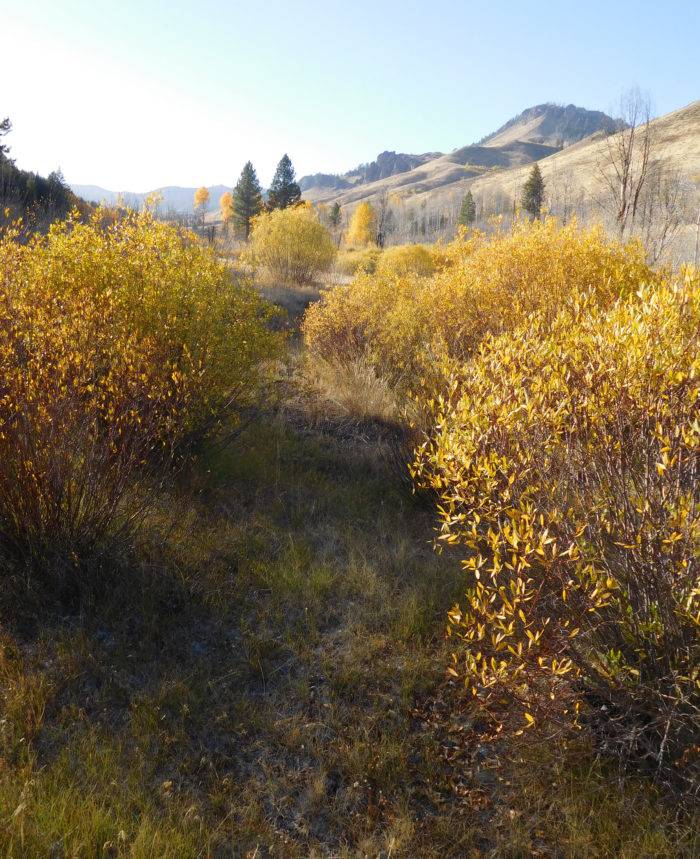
[351,390]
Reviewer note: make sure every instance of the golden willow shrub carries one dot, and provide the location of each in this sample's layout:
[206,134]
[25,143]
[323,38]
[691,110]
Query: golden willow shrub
[566,456]
[120,339]
[400,321]
[352,261]
[291,244]
[400,260]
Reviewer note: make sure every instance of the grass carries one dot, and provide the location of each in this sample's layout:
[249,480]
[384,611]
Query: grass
[266,678]
[236,697]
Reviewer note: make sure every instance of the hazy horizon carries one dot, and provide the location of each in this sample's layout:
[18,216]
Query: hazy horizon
[185,98]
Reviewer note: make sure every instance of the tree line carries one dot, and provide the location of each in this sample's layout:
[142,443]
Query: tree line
[22,191]
[247,199]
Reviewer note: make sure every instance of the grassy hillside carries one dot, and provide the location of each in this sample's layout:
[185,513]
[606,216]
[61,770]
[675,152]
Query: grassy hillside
[676,141]
[547,126]
[534,134]
[496,171]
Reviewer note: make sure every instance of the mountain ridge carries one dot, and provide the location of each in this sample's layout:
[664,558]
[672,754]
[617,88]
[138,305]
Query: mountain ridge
[552,125]
[548,125]
[176,198]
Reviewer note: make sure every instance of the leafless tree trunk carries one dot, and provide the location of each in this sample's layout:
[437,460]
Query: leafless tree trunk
[624,166]
[662,210]
[384,218]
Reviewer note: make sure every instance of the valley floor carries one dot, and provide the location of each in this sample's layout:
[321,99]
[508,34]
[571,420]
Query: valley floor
[266,678]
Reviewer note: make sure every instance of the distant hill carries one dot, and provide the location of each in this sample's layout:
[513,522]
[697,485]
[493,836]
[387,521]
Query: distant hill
[385,164]
[175,198]
[676,138]
[552,125]
[426,199]
[536,133]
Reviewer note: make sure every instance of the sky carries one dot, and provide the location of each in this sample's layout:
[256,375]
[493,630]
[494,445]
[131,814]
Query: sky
[136,95]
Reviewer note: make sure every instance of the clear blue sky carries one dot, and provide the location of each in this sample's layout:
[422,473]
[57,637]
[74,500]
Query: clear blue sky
[132,95]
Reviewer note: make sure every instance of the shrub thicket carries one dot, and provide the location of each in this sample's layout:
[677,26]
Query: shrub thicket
[401,260]
[399,320]
[352,261]
[566,457]
[119,342]
[421,260]
[291,245]
[559,377]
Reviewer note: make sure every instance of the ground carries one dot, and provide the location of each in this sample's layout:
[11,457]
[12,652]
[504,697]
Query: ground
[264,675]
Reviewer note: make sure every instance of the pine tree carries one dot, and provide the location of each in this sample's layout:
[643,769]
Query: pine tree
[467,214]
[533,193]
[334,216]
[284,191]
[247,199]
[5,128]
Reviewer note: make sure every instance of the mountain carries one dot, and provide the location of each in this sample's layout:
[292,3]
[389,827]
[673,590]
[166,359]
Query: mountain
[175,198]
[676,141]
[385,164]
[426,200]
[536,133]
[552,125]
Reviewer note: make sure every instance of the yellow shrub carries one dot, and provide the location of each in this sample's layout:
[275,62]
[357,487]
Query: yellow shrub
[291,244]
[408,259]
[373,319]
[353,261]
[566,456]
[483,284]
[118,341]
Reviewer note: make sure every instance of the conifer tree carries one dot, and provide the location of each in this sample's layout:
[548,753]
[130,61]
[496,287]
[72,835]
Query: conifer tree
[5,128]
[334,216]
[533,193]
[467,214]
[247,199]
[284,190]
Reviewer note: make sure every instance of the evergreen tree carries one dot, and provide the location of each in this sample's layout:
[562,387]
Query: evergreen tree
[533,193]
[334,216]
[5,128]
[247,199]
[467,214]
[284,191]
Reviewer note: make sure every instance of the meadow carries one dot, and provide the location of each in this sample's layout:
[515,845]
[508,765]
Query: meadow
[402,561]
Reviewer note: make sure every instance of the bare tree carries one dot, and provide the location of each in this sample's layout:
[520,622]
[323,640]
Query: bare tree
[626,160]
[662,209]
[385,217]
[562,199]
